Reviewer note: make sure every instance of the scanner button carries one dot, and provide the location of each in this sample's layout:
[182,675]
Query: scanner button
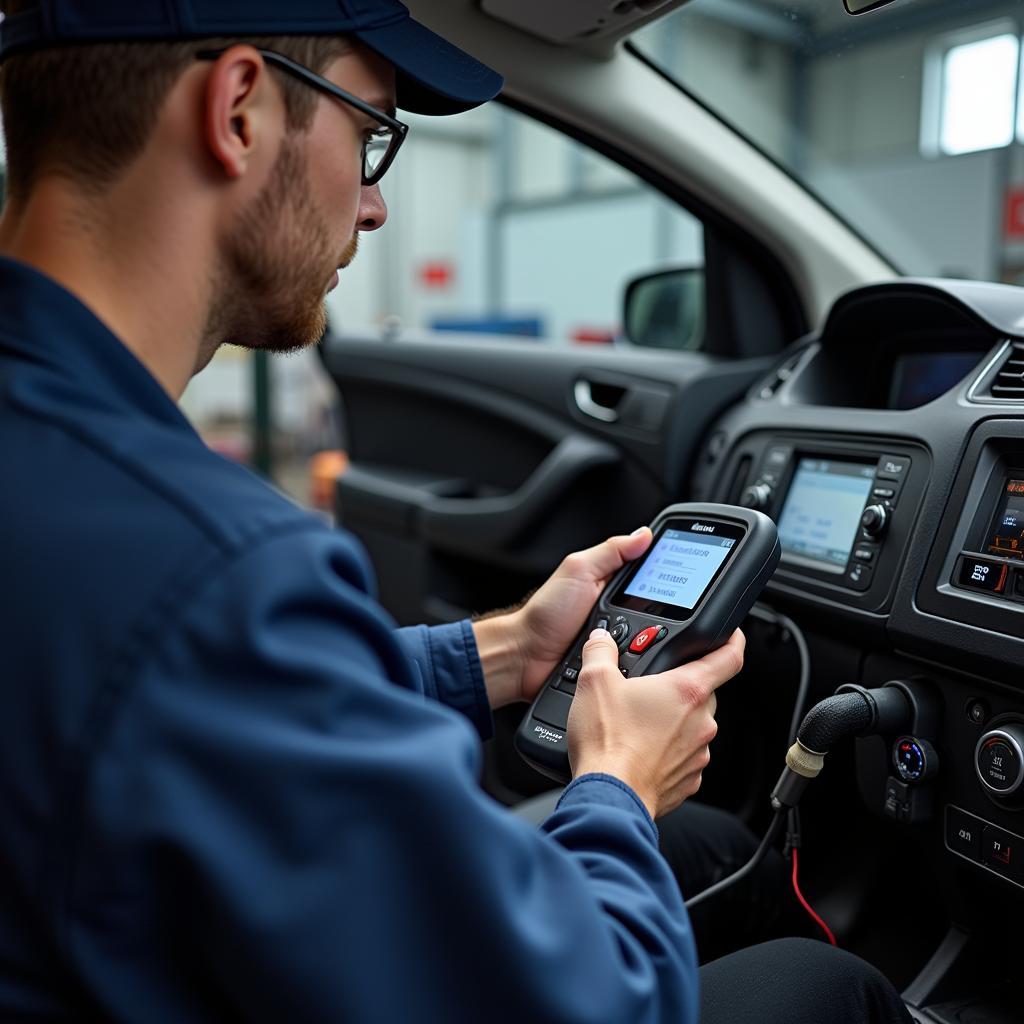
[553,708]
[646,638]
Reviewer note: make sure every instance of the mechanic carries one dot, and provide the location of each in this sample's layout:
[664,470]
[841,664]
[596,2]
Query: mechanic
[229,788]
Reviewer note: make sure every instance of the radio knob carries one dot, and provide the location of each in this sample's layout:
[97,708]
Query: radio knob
[757,497]
[999,759]
[874,520]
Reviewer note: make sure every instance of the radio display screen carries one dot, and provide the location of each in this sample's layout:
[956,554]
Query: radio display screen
[822,512]
[1006,537]
[679,567]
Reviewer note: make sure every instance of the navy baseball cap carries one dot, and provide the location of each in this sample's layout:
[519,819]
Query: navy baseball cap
[433,76]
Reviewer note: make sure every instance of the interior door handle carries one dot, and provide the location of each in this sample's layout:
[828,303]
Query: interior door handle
[496,521]
[583,393]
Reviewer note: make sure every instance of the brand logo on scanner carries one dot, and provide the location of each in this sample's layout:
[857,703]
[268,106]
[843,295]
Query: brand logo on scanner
[701,528]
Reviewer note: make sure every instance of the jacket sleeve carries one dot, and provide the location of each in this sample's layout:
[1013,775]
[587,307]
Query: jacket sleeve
[276,825]
[449,667]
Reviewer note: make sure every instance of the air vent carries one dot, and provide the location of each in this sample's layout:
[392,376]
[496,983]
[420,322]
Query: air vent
[1008,383]
[766,389]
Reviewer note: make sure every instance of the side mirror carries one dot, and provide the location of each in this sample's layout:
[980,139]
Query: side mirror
[864,6]
[666,309]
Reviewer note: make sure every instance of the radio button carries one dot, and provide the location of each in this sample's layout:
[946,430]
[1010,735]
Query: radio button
[884,493]
[892,467]
[980,574]
[874,520]
[859,575]
[865,554]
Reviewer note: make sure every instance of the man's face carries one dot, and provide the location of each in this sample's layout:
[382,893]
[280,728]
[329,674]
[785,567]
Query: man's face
[303,226]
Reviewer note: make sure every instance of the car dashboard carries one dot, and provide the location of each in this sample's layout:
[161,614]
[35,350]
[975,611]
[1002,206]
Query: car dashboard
[889,449]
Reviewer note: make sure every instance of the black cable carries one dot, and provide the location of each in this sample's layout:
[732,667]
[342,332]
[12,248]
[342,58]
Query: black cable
[766,614]
[742,872]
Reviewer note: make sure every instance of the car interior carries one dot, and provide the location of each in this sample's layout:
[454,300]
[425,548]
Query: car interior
[832,333]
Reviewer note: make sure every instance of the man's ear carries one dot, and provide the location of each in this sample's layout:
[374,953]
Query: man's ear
[238,106]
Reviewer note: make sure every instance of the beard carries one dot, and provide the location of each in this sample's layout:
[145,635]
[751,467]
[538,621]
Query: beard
[279,261]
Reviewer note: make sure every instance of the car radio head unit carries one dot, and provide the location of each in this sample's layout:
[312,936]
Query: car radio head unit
[835,504]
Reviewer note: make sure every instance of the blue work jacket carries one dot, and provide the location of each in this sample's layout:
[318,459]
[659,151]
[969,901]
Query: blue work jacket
[230,788]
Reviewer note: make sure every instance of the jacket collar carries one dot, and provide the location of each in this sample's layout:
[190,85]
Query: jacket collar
[44,323]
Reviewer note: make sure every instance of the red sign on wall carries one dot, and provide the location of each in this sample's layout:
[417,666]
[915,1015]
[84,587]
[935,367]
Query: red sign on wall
[437,274]
[1013,223]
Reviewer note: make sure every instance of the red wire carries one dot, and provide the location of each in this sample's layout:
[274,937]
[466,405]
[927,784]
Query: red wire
[810,910]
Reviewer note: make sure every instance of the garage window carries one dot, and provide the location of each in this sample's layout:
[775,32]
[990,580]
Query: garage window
[977,94]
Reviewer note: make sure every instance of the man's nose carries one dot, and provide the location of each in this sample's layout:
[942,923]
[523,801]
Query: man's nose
[373,211]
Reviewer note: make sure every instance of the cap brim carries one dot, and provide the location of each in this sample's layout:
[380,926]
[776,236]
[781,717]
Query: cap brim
[432,75]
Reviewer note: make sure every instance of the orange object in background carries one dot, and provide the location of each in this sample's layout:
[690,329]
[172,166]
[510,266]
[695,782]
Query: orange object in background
[324,470]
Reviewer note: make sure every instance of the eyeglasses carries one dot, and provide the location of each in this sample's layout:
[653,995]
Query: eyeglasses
[379,149]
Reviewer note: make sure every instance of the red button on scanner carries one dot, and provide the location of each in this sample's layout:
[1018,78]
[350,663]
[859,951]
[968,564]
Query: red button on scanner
[647,638]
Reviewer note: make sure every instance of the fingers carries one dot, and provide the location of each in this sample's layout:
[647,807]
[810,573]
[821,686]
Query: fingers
[706,674]
[600,651]
[606,559]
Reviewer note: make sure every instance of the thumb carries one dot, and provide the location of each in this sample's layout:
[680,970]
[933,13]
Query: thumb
[600,650]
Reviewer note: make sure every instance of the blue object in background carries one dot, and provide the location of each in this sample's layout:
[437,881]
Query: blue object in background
[520,327]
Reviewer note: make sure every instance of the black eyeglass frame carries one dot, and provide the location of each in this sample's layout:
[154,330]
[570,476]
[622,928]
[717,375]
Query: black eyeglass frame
[400,129]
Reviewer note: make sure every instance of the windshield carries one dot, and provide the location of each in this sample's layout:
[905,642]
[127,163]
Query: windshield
[907,121]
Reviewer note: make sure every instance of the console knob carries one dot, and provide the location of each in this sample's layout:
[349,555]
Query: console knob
[757,497]
[999,759]
[874,520]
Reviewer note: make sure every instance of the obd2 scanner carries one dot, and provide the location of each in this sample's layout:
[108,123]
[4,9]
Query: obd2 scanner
[706,566]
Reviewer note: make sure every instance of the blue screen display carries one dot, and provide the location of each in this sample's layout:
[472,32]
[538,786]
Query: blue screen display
[819,521]
[919,379]
[679,568]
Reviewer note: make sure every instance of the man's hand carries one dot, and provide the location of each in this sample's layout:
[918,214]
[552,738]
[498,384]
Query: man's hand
[652,732]
[520,650]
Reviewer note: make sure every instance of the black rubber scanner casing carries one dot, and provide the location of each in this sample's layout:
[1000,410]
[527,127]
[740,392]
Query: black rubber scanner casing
[541,737]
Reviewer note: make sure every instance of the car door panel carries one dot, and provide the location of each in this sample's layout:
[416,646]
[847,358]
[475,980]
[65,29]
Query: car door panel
[476,465]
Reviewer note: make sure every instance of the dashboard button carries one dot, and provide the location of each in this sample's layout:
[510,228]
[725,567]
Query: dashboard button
[884,493]
[1000,850]
[981,574]
[977,712]
[892,467]
[865,554]
[859,575]
[963,833]
[998,759]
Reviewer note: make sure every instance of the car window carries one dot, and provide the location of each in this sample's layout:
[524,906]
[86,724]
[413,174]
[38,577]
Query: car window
[501,225]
